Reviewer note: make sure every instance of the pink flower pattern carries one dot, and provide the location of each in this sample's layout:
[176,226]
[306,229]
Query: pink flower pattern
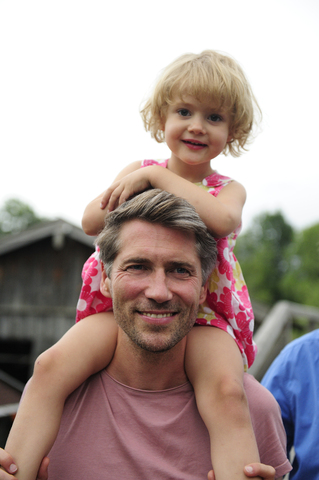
[228,304]
[91,299]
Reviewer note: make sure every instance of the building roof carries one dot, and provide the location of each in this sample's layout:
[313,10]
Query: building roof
[57,229]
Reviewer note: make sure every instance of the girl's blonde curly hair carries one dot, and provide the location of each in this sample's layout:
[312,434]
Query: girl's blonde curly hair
[209,77]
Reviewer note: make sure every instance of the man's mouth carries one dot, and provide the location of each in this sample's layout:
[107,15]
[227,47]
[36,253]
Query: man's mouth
[159,319]
[158,315]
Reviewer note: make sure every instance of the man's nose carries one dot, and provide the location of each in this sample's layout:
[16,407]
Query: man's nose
[158,288]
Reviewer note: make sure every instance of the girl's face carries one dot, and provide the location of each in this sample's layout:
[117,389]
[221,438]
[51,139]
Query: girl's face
[195,132]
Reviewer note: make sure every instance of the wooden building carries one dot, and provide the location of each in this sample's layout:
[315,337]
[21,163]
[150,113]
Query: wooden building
[10,394]
[40,281]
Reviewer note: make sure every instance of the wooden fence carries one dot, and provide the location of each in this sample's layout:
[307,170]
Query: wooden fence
[276,331]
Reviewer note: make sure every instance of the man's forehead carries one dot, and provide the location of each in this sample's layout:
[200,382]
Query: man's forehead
[152,228]
[145,237]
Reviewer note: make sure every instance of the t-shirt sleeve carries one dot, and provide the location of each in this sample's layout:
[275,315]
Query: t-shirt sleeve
[276,380]
[267,423]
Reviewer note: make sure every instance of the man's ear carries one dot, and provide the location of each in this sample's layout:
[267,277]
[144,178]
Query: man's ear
[105,285]
[203,293]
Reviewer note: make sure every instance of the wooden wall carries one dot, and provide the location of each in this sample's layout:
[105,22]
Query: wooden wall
[39,289]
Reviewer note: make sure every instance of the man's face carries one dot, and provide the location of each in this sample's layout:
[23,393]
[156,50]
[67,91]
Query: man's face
[156,285]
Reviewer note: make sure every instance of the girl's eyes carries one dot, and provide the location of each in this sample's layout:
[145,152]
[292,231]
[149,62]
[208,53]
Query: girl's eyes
[214,117]
[183,112]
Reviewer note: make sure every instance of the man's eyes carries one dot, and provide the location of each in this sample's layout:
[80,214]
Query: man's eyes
[136,267]
[182,271]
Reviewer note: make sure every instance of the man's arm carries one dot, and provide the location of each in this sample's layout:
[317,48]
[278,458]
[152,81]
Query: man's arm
[276,381]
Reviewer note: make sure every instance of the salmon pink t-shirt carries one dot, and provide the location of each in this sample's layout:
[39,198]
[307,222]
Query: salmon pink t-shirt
[111,431]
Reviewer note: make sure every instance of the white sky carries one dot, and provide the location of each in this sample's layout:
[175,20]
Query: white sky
[74,72]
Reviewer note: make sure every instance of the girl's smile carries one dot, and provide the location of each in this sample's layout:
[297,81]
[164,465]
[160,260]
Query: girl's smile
[194,144]
[195,133]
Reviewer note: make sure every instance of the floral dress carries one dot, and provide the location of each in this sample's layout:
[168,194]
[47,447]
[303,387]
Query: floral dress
[227,305]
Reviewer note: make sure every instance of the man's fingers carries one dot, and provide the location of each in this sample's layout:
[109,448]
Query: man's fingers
[7,463]
[211,475]
[253,470]
[260,470]
[43,470]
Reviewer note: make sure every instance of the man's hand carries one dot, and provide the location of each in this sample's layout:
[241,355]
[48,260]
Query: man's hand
[9,468]
[266,472]
[43,470]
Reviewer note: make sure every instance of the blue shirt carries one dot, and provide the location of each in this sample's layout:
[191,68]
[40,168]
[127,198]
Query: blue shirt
[293,379]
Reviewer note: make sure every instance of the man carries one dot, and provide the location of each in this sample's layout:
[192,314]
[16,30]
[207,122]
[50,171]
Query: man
[293,379]
[138,418]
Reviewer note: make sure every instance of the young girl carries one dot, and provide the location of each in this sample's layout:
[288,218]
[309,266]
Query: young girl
[201,106]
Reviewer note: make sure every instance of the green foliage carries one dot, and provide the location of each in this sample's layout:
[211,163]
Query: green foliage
[301,282]
[261,252]
[16,216]
[278,263]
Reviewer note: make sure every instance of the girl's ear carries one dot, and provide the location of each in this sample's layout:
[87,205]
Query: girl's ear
[105,286]
[231,134]
[230,138]
[162,124]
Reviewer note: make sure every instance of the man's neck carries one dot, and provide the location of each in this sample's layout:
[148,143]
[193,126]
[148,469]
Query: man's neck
[145,370]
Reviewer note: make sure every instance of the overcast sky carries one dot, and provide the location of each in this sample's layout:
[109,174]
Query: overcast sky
[73,74]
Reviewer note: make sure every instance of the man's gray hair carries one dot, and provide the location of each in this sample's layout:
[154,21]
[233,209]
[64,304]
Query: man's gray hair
[163,208]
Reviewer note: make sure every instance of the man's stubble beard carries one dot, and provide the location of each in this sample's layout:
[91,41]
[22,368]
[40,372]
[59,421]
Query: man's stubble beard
[150,340]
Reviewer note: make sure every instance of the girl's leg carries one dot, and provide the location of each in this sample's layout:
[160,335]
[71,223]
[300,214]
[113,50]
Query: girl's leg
[215,368]
[85,349]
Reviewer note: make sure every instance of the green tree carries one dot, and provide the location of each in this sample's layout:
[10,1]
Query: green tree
[301,281]
[261,251]
[16,216]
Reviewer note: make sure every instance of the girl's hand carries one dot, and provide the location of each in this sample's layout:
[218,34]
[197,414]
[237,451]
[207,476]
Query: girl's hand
[125,188]
[266,472]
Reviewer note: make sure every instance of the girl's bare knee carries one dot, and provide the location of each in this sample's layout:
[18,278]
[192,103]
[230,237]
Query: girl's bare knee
[46,363]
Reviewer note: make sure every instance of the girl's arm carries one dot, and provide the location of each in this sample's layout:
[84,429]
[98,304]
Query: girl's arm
[221,214]
[94,215]
[85,349]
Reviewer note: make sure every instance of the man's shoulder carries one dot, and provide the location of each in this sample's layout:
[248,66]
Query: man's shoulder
[295,362]
[299,350]
[309,340]
[267,423]
[258,396]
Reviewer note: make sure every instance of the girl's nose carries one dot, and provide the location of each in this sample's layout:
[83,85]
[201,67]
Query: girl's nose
[197,126]
[157,288]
